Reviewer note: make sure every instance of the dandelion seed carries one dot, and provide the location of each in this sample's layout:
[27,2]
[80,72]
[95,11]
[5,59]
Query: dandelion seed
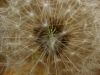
[64,32]
[45,24]
[15,10]
[30,36]
[45,5]
[28,1]
[31,14]
[73,53]
[17,26]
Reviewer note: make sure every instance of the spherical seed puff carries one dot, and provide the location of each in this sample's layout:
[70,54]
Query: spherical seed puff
[49,37]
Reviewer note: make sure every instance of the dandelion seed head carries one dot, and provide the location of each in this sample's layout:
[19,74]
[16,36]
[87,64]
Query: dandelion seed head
[44,37]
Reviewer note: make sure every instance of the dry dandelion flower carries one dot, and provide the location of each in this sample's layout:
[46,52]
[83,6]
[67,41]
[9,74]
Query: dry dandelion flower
[48,37]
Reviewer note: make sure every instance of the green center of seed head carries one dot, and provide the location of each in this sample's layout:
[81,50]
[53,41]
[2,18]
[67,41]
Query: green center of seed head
[51,38]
